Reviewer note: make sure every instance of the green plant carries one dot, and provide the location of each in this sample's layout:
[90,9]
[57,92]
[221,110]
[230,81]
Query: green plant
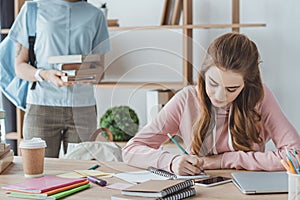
[122,121]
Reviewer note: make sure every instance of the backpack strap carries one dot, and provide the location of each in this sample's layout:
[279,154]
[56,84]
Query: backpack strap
[31,16]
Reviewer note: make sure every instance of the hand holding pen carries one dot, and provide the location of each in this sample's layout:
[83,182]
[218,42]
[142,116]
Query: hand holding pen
[187,164]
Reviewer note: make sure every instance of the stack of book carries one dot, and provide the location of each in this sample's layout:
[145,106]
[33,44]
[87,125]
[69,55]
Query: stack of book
[80,68]
[6,156]
[2,116]
[158,189]
[47,187]
[112,22]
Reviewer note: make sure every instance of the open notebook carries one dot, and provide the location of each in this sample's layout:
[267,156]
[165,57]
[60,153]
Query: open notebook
[261,182]
[154,174]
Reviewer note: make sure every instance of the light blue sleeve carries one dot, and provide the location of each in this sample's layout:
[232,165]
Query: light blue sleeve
[18,31]
[101,43]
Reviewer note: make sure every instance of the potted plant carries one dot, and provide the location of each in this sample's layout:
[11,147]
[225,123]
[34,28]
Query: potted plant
[122,121]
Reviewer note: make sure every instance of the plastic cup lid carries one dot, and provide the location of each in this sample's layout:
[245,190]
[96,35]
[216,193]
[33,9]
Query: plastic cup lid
[34,143]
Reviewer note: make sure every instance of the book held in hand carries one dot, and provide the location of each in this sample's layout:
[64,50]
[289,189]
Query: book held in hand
[93,75]
[157,188]
[68,59]
[83,78]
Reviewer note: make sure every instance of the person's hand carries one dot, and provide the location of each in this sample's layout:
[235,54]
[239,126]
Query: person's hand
[212,162]
[55,77]
[187,165]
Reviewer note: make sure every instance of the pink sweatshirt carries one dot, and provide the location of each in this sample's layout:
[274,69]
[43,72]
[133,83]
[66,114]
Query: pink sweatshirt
[178,117]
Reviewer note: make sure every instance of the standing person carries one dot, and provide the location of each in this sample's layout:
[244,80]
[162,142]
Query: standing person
[57,111]
[225,121]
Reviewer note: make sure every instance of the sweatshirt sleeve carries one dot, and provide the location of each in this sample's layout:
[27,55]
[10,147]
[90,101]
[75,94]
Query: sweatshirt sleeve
[143,150]
[275,126]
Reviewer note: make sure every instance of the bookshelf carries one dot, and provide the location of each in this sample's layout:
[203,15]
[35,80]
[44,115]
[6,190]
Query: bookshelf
[187,28]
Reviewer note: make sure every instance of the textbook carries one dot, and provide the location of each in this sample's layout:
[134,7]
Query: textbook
[157,188]
[6,160]
[55,196]
[68,59]
[50,192]
[185,193]
[2,114]
[79,78]
[4,151]
[42,184]
[90,71]
[4,148]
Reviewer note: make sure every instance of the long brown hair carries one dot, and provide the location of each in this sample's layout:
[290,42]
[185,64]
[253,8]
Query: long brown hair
[237,53]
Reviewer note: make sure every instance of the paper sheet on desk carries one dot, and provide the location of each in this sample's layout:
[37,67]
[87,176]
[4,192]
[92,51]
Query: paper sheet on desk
[83,173]
[139,176]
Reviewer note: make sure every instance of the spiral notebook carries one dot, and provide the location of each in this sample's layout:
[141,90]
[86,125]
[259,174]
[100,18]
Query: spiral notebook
[170,175]
[185,193]
[157,188]
[154,174]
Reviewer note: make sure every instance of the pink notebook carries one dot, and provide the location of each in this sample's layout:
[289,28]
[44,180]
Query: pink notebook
[43,184]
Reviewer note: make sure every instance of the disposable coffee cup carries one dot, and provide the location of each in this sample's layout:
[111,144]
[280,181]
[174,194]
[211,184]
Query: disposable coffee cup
[294,186]
[33,152]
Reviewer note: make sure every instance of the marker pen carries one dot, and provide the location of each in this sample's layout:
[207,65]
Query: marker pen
[97,181]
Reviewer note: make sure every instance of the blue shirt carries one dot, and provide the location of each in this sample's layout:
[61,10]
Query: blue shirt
[63,28]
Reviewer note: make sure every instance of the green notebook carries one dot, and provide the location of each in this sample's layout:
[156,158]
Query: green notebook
[69,192]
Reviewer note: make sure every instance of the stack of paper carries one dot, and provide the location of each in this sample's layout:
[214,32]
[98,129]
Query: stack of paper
[47,187]
[6,156]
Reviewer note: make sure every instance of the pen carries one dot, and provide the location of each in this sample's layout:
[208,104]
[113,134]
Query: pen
[177,144]
[97,181]
[94,167]
[180,147]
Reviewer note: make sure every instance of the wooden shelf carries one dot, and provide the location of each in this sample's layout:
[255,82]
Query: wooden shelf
[11,136]
[192,26]
[4,31]
[144,85]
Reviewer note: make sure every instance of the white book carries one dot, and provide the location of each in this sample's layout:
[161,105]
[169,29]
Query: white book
[69,59]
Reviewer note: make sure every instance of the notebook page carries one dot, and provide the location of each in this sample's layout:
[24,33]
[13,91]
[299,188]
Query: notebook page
[139,176]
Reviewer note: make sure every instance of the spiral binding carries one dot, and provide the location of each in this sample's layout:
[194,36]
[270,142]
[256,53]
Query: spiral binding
[178,187]
[162,172]
[181,194]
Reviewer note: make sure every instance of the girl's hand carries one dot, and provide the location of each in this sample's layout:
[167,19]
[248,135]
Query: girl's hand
[55,77]
[187,165]
[212,162]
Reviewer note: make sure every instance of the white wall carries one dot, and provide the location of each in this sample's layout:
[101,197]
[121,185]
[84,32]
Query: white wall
[154,55]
